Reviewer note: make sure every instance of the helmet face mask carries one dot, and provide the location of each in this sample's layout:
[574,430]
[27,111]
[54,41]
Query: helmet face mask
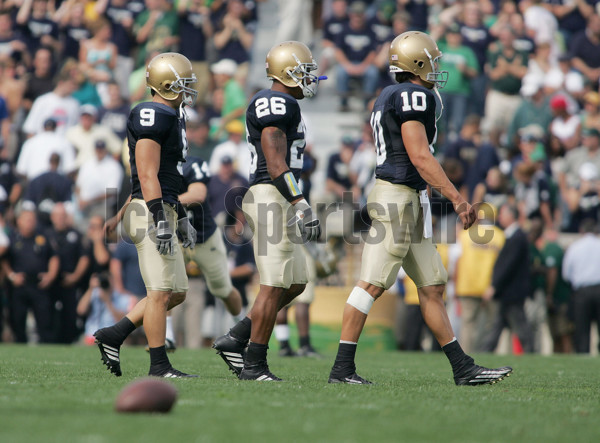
[417,53]
[170,76]
[291,64]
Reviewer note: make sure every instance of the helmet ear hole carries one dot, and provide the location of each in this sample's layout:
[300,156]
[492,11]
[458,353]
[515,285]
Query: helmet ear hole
[420,63]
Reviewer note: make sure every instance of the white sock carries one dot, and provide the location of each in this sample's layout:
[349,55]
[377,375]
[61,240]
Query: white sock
[170,332]
[282,332]
[238,318]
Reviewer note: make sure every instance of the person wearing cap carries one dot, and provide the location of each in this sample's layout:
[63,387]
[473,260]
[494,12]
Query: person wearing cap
[234,147]
[234,97]
[226,186]
[83,136]
[565,128]
[34,158]
[355,53]
[460,62]
[98,182]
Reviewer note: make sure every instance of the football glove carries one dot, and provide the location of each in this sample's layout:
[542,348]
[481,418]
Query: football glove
[187,233]
[309,225]
[164,237]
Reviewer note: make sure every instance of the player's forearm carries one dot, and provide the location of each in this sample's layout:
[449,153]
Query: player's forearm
[432,173]
[194,195]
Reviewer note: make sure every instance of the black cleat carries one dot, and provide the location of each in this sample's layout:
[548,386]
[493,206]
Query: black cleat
[353,379]
[478,375]
[109,353]
[259,373]
[232,351]
[170,372]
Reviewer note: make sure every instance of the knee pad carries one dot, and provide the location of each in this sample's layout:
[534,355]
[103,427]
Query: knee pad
[361,300]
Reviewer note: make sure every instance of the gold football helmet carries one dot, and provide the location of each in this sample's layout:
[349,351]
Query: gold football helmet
[417,52]
[170,75]
[290,63]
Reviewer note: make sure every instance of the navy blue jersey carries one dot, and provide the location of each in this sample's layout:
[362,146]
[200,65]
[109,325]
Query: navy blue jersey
[271,108]
[395,105]
[195,170]
[160,123]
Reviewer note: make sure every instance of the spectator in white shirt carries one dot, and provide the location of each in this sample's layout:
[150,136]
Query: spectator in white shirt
[34,158]
[235,147]
[580,268]
[98,183]
[84,135]
[57,104]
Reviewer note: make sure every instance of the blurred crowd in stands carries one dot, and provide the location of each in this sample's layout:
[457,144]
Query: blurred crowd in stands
[520,129]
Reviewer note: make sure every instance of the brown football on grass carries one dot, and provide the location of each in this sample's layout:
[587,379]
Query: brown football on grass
[146,395]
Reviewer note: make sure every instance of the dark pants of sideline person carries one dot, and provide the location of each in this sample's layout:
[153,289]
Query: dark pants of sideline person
[26,297]
[511,315]
[586,307]
[64,324]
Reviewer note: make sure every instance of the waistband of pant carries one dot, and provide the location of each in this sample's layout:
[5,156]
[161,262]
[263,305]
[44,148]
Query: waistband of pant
[396,185]
[171,205]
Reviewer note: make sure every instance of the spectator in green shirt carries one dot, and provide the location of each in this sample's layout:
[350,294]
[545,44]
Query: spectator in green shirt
[506,68]
[234,97]
[461,63]
[156,29]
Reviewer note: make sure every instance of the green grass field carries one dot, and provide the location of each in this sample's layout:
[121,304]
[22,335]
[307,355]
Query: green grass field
[64,394]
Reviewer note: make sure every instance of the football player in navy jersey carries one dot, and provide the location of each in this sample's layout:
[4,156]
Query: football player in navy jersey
[154,218]
[404,127]
[209,254]
[277,212]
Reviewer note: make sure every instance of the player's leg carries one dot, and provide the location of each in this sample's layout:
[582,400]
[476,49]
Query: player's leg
[211,257]
[282,333]
[355,315]
[424,265]
[302,307]
[384,250]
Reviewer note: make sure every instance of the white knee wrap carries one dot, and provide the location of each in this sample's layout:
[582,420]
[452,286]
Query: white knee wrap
[361,300]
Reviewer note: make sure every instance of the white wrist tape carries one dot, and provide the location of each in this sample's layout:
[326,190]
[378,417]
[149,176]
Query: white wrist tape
[361,300]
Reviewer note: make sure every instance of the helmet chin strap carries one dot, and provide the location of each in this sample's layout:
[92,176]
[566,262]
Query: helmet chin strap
[437,92]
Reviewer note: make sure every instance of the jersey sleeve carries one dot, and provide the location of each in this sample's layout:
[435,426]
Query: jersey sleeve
[414,104]
[196,170]
[148,122]
[274,110]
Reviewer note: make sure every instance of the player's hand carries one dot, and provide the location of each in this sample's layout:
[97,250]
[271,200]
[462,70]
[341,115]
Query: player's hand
[309,225]
[164,238]
[467,214]
[187,233]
